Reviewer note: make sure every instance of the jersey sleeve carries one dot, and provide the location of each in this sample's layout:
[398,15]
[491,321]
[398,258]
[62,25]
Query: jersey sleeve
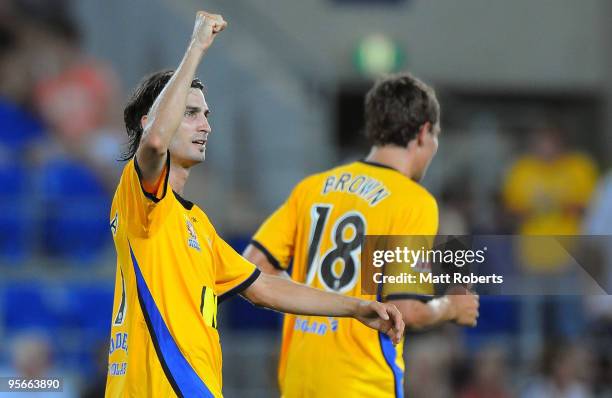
[417,231]
[276,236]
[233,273]
[144,208]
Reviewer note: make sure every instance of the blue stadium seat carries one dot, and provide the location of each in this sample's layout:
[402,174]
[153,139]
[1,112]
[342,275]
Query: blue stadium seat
[75,223]
[31,305]
[239,243]
[240,314]
[12,179]
[18,128]
[91,308]
[14,223]
[499,318]
[75,316]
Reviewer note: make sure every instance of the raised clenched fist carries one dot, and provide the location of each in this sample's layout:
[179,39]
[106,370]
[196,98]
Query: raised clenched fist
[207,27]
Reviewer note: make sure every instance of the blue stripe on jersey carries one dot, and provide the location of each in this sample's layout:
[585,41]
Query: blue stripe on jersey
[389,353]
[180,374]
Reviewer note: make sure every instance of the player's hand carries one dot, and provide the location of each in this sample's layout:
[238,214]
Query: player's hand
[384,317]
[465,307]
[207,27]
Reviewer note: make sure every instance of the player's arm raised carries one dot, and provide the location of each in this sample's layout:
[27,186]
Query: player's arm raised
[459,308]
[167,112]
[284,295]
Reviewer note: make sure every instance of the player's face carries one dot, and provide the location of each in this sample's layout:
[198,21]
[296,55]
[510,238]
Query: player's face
[428,149]
[188,146]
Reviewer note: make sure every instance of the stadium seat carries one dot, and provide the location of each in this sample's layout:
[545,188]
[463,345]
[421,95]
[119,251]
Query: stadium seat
[75,316]
[499,319]
[31,305]
[83,299]
[239,314]
[18,128]
[239,243]
[14,223]
[75,221]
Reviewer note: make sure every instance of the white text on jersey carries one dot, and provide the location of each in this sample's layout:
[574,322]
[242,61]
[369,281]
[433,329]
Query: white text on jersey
[367,188]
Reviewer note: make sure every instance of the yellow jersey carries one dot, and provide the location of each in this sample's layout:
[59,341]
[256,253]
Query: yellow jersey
[549,196]
[548,193]
[319,229]
[172,271]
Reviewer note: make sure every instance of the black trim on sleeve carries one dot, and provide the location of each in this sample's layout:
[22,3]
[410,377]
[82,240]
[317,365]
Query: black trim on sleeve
[144,191]
[409,296]
[275,263]
[247,282]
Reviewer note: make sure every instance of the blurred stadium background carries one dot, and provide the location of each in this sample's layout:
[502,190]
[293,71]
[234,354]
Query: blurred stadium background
[526,94]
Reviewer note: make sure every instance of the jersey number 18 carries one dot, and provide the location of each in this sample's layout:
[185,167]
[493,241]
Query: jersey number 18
[346,236]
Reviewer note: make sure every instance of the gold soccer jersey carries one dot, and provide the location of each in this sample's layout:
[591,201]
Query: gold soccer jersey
[172,270]
[320,229]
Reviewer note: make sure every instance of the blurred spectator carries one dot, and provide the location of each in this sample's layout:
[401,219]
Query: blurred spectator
[20,130]
[454,209]
[59,170]
[18,126]
[548,190]
[490,375]
[428,366]
[37,47]
[75,95]
[31,357]
[78,103]
[565,370]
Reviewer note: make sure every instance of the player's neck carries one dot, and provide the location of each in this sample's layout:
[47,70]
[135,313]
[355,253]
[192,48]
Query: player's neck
[178,177]
[393,156]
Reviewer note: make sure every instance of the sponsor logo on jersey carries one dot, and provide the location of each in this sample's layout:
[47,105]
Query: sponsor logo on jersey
[309,325]
[117,368]
[118,342]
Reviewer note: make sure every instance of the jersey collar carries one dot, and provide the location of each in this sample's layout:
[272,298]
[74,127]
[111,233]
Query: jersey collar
[184,202]
[376,164]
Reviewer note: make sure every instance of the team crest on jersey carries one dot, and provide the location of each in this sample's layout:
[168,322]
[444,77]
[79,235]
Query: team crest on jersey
[192,238]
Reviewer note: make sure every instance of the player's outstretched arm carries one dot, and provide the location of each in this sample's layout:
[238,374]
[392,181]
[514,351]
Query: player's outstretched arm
[284,295]
[459,308]
[167,112]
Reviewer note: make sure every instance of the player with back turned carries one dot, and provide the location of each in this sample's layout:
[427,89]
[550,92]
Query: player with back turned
[172,267]
[321,227]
